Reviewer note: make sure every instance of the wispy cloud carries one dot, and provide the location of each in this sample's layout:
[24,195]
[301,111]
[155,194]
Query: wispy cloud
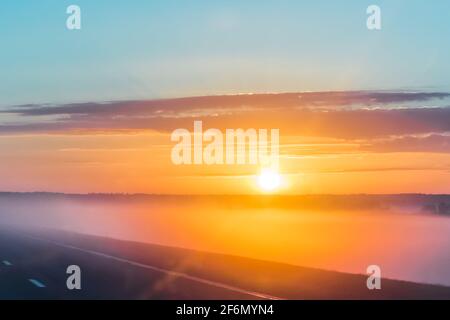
[254,101]
[427,143]
[346,115]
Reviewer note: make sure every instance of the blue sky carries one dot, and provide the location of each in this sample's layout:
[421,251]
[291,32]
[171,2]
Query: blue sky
[153,49]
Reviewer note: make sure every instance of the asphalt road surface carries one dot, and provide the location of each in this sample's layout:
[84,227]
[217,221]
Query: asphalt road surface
[33,266]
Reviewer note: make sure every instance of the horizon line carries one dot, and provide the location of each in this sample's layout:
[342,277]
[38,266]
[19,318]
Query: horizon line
[217,195]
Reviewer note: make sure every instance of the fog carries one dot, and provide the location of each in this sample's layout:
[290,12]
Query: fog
[414,247]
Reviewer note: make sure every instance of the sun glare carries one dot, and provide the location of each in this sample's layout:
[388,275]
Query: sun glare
[269,180]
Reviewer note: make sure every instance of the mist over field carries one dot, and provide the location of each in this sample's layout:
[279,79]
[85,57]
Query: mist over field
[400,234]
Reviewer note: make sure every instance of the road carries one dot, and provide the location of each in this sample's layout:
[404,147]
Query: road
[33,266]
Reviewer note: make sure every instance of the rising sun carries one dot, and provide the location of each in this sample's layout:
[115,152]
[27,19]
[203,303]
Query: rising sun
[269,180]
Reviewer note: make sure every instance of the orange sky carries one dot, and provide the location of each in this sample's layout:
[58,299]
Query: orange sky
[140,163]
[349,142]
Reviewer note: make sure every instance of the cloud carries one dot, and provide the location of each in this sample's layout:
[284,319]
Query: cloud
[428,143]
[229,102]
[344,115]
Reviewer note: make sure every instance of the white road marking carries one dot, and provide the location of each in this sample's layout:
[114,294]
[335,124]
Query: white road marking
[7,263]
[37,283]
[169,272]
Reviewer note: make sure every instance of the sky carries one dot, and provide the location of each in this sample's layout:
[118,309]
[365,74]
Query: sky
[92,110]
[158,49]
